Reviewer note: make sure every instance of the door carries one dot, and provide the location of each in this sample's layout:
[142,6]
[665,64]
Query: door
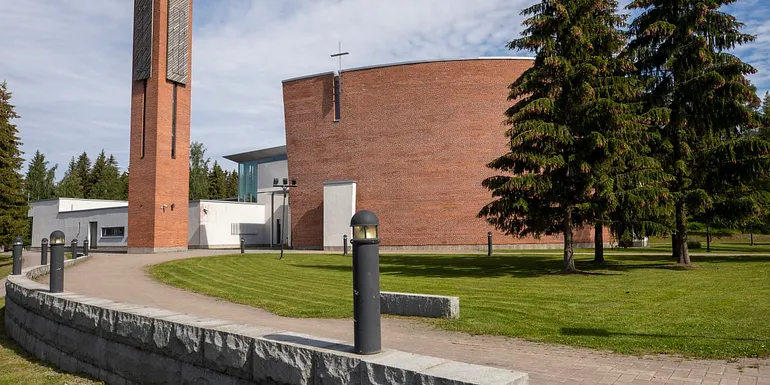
[93,234]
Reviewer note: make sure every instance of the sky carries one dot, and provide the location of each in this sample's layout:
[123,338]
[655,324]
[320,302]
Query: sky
[68,62]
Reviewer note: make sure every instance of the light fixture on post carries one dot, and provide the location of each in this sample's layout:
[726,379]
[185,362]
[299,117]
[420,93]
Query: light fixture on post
[366,283]
[285,186]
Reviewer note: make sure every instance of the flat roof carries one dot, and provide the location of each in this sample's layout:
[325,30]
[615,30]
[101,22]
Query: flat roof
[264,153]
[408,63]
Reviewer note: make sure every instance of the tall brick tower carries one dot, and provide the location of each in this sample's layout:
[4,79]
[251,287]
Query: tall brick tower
[160,126]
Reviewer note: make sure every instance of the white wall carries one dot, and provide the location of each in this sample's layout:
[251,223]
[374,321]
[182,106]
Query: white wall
[71,204]
[339,207]
[267,171]
[46,218]
[222,224]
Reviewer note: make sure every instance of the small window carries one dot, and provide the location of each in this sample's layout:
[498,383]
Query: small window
[337,92]
[108,232]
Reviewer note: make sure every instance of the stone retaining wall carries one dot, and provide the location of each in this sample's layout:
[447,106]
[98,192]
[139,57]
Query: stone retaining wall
[421,305]
[132,344]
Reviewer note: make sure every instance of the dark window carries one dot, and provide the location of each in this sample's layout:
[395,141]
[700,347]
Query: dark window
[337,107]
[113,232]
[173,125]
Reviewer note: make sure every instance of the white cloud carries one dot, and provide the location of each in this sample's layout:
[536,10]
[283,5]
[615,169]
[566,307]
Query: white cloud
[68,62]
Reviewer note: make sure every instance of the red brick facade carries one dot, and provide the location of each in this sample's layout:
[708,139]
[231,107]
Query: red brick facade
[415,137]
[156,179]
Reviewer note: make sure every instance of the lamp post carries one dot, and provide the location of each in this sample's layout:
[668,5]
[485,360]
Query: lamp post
[18,246]
[366,282]
[285,186]
[57,262]
[44,252]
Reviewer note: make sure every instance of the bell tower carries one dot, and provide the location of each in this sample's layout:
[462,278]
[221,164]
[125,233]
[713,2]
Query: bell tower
[159,174]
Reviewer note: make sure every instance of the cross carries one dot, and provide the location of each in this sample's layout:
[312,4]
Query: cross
[340,54]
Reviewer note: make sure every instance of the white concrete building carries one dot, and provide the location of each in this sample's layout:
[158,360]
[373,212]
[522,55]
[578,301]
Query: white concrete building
[212,224]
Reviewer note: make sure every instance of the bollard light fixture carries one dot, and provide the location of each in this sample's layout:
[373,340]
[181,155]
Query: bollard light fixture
[366,283]
[57,238]
[18,241]
[365,225]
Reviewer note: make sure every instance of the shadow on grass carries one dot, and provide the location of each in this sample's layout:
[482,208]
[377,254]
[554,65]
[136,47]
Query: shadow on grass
[517,266]
[590,332]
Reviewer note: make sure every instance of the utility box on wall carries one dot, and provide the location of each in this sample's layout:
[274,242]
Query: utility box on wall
[339,207]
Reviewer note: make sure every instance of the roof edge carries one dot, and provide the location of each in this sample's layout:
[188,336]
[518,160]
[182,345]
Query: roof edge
[395,64]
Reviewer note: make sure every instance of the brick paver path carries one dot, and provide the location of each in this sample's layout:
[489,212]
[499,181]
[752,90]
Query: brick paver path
[122,278]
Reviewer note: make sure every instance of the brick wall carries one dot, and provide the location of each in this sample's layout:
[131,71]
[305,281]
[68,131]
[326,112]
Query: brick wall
[158,179]
[416,138]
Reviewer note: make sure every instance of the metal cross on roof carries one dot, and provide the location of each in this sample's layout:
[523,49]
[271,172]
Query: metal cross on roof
[339,55]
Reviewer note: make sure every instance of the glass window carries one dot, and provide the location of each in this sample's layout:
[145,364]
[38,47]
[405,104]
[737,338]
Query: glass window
[108,232]
[247,182]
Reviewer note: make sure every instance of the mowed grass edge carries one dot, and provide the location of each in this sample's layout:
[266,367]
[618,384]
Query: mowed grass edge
[637,304]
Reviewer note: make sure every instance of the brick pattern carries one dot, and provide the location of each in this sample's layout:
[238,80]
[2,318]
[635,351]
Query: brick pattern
[416,138]
[157,179]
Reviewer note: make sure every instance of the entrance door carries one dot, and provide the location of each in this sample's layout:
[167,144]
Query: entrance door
[93,230]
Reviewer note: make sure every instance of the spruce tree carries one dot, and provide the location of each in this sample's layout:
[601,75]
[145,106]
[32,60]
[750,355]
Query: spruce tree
[70,186]
[574,119]
[679,49]
[199,171]
[124,185]
[232,184]
[83,168]
[13,206]
[40,181]
[217,182]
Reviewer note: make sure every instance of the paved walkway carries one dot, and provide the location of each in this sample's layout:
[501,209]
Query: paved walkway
[122,278]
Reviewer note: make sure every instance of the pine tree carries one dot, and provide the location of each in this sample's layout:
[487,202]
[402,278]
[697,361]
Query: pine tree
[124,185]
[105,179]
[679,49]
[199,170]
[232,184]
[13,206]
[83,168]
[70,186]
[573,119]
[40,181]
[217,182]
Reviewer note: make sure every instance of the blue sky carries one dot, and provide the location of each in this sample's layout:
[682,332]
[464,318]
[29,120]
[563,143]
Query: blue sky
[68,62]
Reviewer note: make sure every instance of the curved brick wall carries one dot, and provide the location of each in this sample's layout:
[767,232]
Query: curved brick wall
[132,344]
[415,137]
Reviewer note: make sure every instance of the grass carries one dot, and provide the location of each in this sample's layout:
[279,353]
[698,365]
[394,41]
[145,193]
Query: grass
[18,367]
[636,304]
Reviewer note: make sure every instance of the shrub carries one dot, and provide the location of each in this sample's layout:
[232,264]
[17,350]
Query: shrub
[691,245]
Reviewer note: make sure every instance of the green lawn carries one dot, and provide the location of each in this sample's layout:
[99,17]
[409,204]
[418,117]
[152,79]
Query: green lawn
[16,366]
[636,304]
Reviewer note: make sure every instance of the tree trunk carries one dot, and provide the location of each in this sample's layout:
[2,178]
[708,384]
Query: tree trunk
[599,243]
[681,234]
[569,253]
[751,231]
[708,239]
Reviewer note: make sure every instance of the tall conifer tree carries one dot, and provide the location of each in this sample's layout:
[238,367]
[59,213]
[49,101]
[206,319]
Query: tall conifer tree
[40,180]
[679,48]
[70,186]
[13,206]
[574,121]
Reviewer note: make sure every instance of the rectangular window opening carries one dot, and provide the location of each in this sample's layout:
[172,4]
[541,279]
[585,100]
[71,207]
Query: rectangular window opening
[144,116]
[173,125]
[113,232]
[337,106]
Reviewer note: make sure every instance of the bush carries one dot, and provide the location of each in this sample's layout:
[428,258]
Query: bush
[693,245]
